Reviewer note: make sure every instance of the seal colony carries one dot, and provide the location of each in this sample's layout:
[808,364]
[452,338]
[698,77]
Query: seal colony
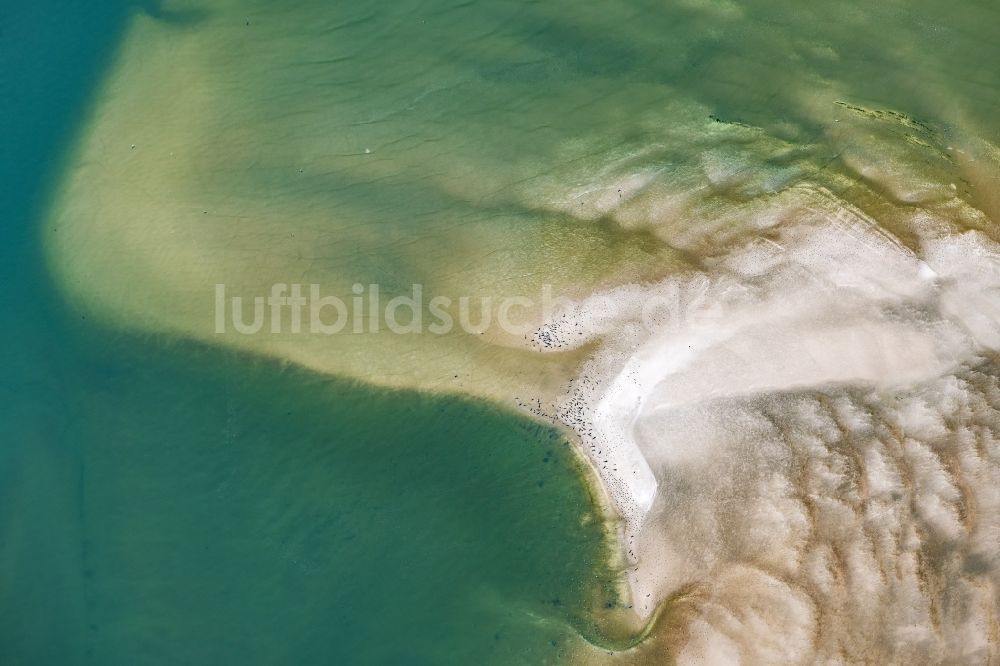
[782,284]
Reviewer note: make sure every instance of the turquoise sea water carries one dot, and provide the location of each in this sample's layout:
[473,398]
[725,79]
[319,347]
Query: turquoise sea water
[162,503]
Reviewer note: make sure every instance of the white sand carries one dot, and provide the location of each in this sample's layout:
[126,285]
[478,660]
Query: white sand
[786,352]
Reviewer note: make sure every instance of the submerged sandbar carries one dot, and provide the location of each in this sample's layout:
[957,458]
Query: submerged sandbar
[820,237]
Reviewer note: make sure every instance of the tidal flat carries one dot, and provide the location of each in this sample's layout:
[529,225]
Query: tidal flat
[772,228]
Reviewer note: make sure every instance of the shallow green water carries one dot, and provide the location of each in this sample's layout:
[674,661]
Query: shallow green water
[186,508]
[162,503]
